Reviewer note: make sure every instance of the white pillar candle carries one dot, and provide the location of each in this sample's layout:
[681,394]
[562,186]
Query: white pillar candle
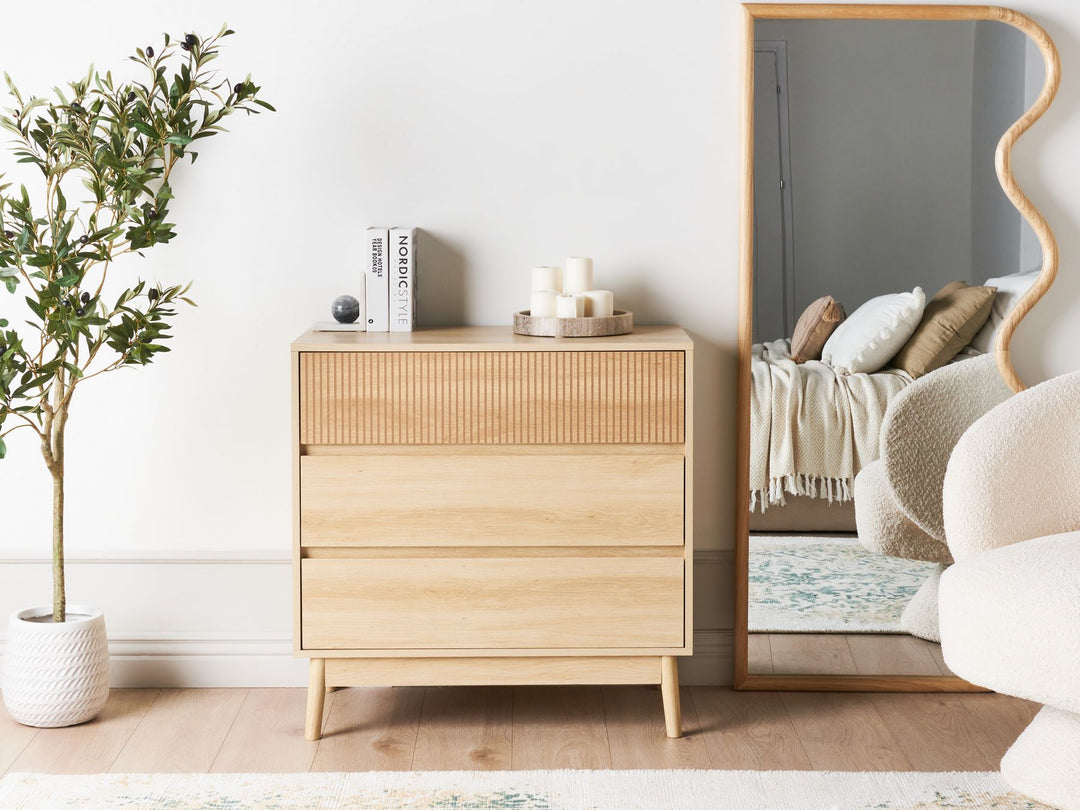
[599,303]
[578,276]
[570,306]
[547,278]
[542,303]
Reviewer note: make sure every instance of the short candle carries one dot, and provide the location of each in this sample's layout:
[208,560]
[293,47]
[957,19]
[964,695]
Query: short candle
[599,303]
[542,303]
[570,306]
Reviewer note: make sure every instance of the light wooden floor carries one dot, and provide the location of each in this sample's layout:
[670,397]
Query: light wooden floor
[843,654]
[235,730]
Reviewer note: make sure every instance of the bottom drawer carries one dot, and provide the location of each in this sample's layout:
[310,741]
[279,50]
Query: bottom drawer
[491,603]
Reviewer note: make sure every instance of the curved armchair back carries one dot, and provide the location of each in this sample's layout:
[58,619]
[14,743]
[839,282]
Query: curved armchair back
[1015,474]
[923,424]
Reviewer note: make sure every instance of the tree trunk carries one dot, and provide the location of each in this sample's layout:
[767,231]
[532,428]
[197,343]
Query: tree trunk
[59,597]
[54,457]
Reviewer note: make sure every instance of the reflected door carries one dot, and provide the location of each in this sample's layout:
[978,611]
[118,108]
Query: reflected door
[773,274]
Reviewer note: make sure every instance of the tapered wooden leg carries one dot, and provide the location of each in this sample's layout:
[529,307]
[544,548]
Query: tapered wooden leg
[316,693]
[669,688]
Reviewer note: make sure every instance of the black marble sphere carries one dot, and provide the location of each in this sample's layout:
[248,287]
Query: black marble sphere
[345,309]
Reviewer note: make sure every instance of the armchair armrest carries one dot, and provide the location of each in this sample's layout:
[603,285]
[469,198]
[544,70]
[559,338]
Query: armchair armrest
[1015,474]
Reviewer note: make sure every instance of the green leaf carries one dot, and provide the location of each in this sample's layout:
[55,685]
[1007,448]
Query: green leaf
[3,449]
[179,139]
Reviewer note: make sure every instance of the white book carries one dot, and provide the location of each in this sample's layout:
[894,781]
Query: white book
[402,266]
[377,280]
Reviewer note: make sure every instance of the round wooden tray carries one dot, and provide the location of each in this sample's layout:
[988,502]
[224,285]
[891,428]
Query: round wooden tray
[621,323]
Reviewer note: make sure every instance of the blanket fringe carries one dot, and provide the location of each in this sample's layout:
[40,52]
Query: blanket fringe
[838,490]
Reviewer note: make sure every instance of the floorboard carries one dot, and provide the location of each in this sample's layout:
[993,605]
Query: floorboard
[370,730]
[811,653]
[748,730]
[892,655]
[198,719]
[91,747]
[558,727]
[636,735]
[268,734]
[472,728]
[937,730]
[465,729]
[14,738]
[843,732]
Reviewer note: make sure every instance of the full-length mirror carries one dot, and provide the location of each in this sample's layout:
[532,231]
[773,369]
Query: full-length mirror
[884,258]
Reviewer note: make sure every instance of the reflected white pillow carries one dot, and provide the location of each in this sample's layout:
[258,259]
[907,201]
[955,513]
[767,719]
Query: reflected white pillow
[874,333]
[1010,289]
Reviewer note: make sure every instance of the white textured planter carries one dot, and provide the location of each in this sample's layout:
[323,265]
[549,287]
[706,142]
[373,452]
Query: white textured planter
[56,674]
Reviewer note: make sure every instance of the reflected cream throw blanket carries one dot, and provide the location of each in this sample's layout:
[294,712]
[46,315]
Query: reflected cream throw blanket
[811,428]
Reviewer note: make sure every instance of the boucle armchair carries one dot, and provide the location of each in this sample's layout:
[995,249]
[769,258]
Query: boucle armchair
[898,508]
[1010,605]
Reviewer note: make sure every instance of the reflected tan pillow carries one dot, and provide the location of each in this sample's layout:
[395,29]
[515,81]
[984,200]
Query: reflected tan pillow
[814,327]
[949,322]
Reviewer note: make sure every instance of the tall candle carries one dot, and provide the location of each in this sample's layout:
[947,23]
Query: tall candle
[542,303]
[570,306]
[547,278]
[598,303]
[578,277]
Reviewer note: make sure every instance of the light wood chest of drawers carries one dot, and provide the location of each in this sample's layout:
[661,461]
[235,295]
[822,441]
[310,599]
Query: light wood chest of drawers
[477,507]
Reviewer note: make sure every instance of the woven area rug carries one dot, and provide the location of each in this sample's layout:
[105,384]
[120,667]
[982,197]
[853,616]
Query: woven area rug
[515,790]
[828,585]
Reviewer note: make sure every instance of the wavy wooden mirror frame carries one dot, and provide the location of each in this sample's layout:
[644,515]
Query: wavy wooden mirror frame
[1003,162]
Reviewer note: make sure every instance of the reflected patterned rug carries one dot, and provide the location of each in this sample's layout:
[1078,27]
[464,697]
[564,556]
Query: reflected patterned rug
[828,585]
[515,790]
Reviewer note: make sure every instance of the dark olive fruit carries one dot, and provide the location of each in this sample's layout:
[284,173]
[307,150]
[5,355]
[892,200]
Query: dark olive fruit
[184,46]
[153,294]
[131,97]
[153,213]
[65,304]
[149,51]
[239,88]
[77,107]
[80,312]
[191,40]
[85,298]
[9,234]
[84,239]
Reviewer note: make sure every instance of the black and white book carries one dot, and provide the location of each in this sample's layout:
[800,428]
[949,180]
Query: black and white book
[377,280]
[402,266]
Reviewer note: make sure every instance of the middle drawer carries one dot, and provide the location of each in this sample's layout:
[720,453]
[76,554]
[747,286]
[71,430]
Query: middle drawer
[497,499]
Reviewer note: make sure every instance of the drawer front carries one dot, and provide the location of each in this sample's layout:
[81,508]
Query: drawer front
[492,499]
[591,397]
[491,603]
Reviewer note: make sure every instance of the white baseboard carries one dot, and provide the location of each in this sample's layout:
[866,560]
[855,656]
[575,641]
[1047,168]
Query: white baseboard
[164,611]
[234,661]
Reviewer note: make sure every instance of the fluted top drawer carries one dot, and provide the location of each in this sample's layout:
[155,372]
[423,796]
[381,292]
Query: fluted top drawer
[492,397]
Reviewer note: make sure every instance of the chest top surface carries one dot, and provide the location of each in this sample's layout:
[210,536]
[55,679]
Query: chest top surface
[490,338]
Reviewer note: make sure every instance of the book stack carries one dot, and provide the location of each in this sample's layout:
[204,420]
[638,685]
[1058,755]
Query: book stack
[390,279]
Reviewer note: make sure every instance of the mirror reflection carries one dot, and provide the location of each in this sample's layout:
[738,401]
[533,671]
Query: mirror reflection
[886,256]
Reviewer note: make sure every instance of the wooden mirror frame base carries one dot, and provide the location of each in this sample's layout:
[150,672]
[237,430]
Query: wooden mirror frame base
[1003,163]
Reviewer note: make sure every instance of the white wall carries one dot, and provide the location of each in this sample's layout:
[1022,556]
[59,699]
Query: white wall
[881,170]
[515,134]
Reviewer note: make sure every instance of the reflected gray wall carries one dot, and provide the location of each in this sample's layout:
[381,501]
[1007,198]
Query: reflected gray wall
[1034,76]
[999,93]
[887,189]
